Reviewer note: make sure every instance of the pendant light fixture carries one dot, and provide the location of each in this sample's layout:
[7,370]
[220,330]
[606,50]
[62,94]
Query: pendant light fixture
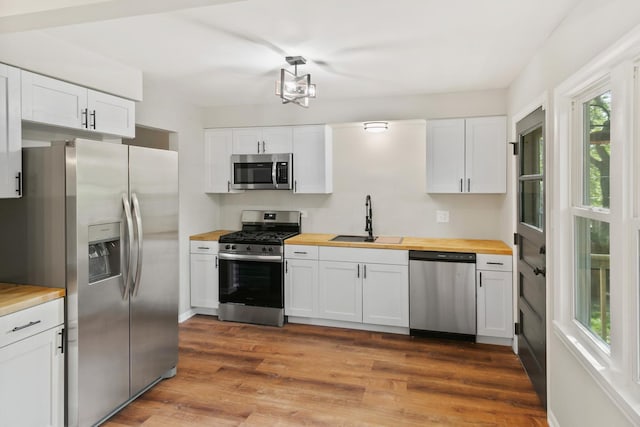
[294,88]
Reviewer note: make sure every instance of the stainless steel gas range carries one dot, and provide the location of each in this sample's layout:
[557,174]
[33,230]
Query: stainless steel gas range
[251,267]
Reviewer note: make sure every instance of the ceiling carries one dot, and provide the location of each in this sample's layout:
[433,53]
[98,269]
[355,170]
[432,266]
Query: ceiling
[230,52]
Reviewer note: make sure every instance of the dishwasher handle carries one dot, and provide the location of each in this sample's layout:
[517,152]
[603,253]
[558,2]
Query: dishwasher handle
[462,257]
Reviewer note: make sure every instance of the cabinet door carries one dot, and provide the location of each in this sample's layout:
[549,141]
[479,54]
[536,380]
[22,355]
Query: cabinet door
[301,288]
[277,140]
[32,386]
[217,157]
[10,133]
[486,155]
[495,305]
[385,294]
[312,159]
[110,114]
[340,291]
[247,141]
[445,156]
[51,101]
[204,280]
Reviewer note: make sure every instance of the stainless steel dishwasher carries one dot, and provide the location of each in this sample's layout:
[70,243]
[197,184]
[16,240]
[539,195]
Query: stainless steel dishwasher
[442,294]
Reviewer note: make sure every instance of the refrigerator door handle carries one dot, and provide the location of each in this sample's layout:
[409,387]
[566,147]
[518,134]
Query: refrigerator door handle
[129,224]
[138,217]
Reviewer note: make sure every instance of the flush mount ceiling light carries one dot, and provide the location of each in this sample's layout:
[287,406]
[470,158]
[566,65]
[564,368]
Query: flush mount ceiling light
[294,88]
[376,126]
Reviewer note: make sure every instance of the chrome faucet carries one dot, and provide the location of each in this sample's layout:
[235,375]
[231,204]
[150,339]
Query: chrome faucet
[369,219]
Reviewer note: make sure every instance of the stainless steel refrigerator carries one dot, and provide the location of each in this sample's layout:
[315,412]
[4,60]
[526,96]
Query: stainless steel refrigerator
[101,220]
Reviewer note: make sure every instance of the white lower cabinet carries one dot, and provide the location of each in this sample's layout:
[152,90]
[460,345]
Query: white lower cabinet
[32,368]
[300,288]
[340,291]
[364,285]
[204,274]
[385,294]
[494,293]
[301,281]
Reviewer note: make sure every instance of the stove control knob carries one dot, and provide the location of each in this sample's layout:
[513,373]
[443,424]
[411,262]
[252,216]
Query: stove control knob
[270,249]
[228,247]
[264,249]
[233,246]
[248,248]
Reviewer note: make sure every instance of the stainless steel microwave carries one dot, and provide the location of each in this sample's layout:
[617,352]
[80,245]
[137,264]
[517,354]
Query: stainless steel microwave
[262,171]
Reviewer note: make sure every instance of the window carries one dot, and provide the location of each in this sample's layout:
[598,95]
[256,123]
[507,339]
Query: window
[597,150]
[595,215]
[591,211]
[592,277]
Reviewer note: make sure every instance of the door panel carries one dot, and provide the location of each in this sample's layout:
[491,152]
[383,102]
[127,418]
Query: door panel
[154,299]
[531,266]
[97,313]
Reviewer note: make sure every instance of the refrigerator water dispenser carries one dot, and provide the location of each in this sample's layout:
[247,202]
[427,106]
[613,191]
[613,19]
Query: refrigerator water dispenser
[104,251]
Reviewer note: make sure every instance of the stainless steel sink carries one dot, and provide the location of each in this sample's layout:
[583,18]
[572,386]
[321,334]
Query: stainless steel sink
[349,238]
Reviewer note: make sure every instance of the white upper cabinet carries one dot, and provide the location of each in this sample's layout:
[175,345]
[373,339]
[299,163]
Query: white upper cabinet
[312,148]
[217,159]
[10,133]
[54,102]
[110,114]
[467,155]
[445,156]
[486,154]
[312,159]
[267,140]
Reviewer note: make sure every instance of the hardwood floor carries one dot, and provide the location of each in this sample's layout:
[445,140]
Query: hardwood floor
[232,374]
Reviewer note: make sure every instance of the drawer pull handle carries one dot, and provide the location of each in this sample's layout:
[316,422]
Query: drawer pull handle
[203,247]
[495,263]
[300,253]
[19,328]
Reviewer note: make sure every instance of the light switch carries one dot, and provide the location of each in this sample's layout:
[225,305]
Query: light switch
[442,216]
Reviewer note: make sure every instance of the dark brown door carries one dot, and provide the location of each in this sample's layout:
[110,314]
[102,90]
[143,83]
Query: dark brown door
[531,266]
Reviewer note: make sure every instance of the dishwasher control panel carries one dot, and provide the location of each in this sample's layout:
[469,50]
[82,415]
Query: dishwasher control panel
[443,256]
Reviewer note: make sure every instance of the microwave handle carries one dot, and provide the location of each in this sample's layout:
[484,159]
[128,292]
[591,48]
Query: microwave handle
[274,170]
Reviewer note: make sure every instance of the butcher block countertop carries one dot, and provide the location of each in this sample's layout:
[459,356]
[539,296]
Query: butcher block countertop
[211,235]
[496,247]
[18,297]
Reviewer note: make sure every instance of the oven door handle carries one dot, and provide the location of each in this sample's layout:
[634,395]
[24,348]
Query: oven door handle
[239,257]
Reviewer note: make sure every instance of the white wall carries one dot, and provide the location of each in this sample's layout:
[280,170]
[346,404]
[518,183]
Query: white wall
[390,166]
[198,212]
[41,53]
[574,397]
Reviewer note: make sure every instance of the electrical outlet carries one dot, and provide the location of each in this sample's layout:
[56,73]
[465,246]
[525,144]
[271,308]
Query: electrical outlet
[442,216]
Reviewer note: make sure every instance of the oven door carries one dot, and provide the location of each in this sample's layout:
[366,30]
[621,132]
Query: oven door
[251,280]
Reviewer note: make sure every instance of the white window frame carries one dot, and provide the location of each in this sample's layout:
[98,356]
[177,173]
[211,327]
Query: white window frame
[578,208]
[616,368]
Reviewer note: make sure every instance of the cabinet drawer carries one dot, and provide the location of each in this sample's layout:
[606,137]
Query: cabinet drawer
[300,252]
[493,262]
[204,247]
[374,256]
[30,321]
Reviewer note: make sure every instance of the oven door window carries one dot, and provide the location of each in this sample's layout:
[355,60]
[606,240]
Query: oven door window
[252,283]
[252,173]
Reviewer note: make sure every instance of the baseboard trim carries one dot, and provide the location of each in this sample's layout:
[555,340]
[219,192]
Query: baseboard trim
[348,325]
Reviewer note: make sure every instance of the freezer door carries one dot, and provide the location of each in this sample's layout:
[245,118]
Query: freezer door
[154,295]
[97,312]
